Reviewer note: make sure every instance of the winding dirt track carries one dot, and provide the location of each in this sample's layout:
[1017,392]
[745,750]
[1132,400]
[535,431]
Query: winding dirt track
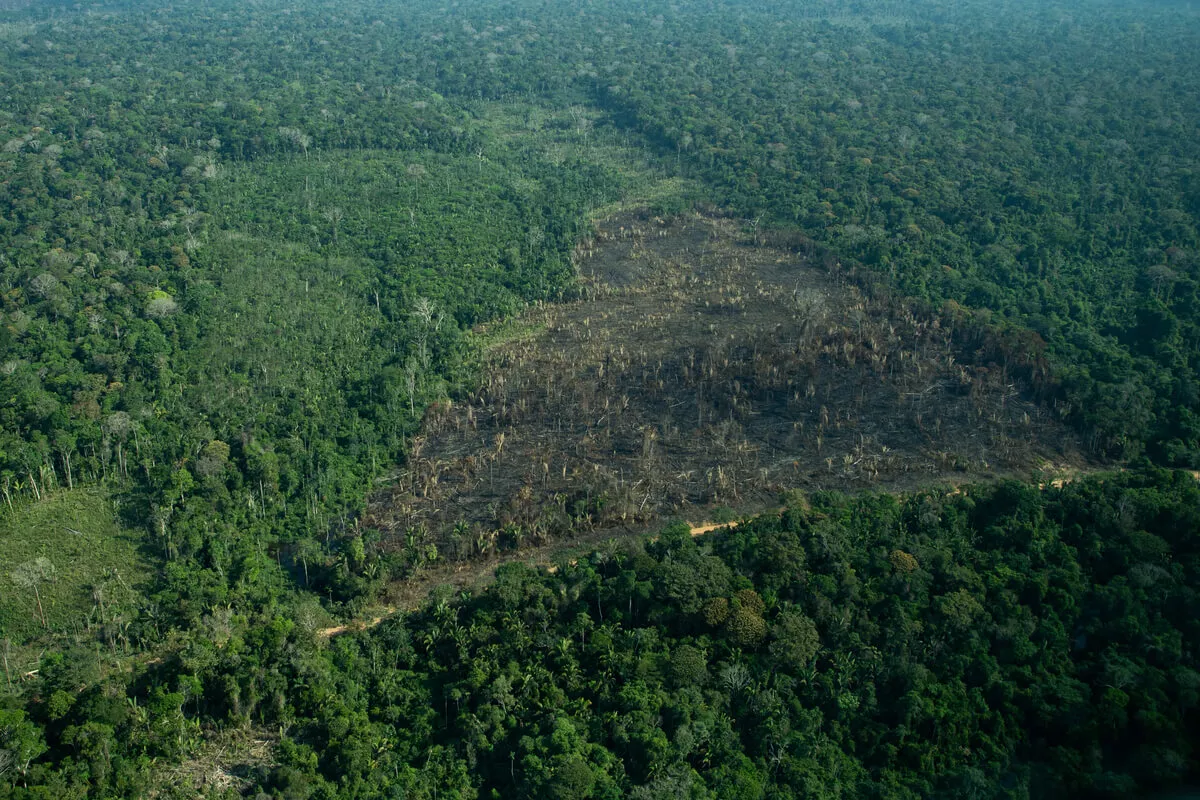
[542,557]
[387,611]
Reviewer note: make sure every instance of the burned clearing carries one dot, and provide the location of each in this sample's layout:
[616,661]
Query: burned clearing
[705,368]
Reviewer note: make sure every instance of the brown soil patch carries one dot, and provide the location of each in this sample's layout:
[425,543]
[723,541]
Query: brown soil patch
[703,370]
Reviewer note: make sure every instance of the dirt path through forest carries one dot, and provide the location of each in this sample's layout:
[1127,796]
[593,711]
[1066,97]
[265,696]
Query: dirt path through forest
[478,574]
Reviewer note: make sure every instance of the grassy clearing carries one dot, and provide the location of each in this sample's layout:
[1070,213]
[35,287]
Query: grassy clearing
[71,548]
[579,133]
[504,332]
[651,192]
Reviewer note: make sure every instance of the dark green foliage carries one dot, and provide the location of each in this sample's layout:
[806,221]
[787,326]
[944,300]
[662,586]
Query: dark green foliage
[1028,644]
[242,248]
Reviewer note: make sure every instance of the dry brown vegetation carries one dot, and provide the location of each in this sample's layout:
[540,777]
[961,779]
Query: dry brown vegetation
[705,368]
[221,765]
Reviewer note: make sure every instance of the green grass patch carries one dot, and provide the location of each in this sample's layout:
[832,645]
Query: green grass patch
[579,133]
[504,331]
[659,194]
[70,547]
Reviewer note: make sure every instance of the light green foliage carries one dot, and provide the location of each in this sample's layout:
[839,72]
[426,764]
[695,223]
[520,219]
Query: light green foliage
[20,743]
[71,547]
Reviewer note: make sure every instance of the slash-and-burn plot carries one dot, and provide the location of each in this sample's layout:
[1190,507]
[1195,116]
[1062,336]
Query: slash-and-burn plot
[705,370]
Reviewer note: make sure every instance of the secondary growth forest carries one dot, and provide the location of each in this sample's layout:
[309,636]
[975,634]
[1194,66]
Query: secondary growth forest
[307,308]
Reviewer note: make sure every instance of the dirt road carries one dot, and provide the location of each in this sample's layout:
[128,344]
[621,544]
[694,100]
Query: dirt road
[481,569]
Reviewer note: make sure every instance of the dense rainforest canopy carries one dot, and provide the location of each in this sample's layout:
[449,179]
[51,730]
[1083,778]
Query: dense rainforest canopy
[244,247]
[1002,642]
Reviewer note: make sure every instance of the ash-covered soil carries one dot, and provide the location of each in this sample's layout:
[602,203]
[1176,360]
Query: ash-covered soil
[704,369]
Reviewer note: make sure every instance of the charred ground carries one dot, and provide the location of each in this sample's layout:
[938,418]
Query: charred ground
[702,368]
